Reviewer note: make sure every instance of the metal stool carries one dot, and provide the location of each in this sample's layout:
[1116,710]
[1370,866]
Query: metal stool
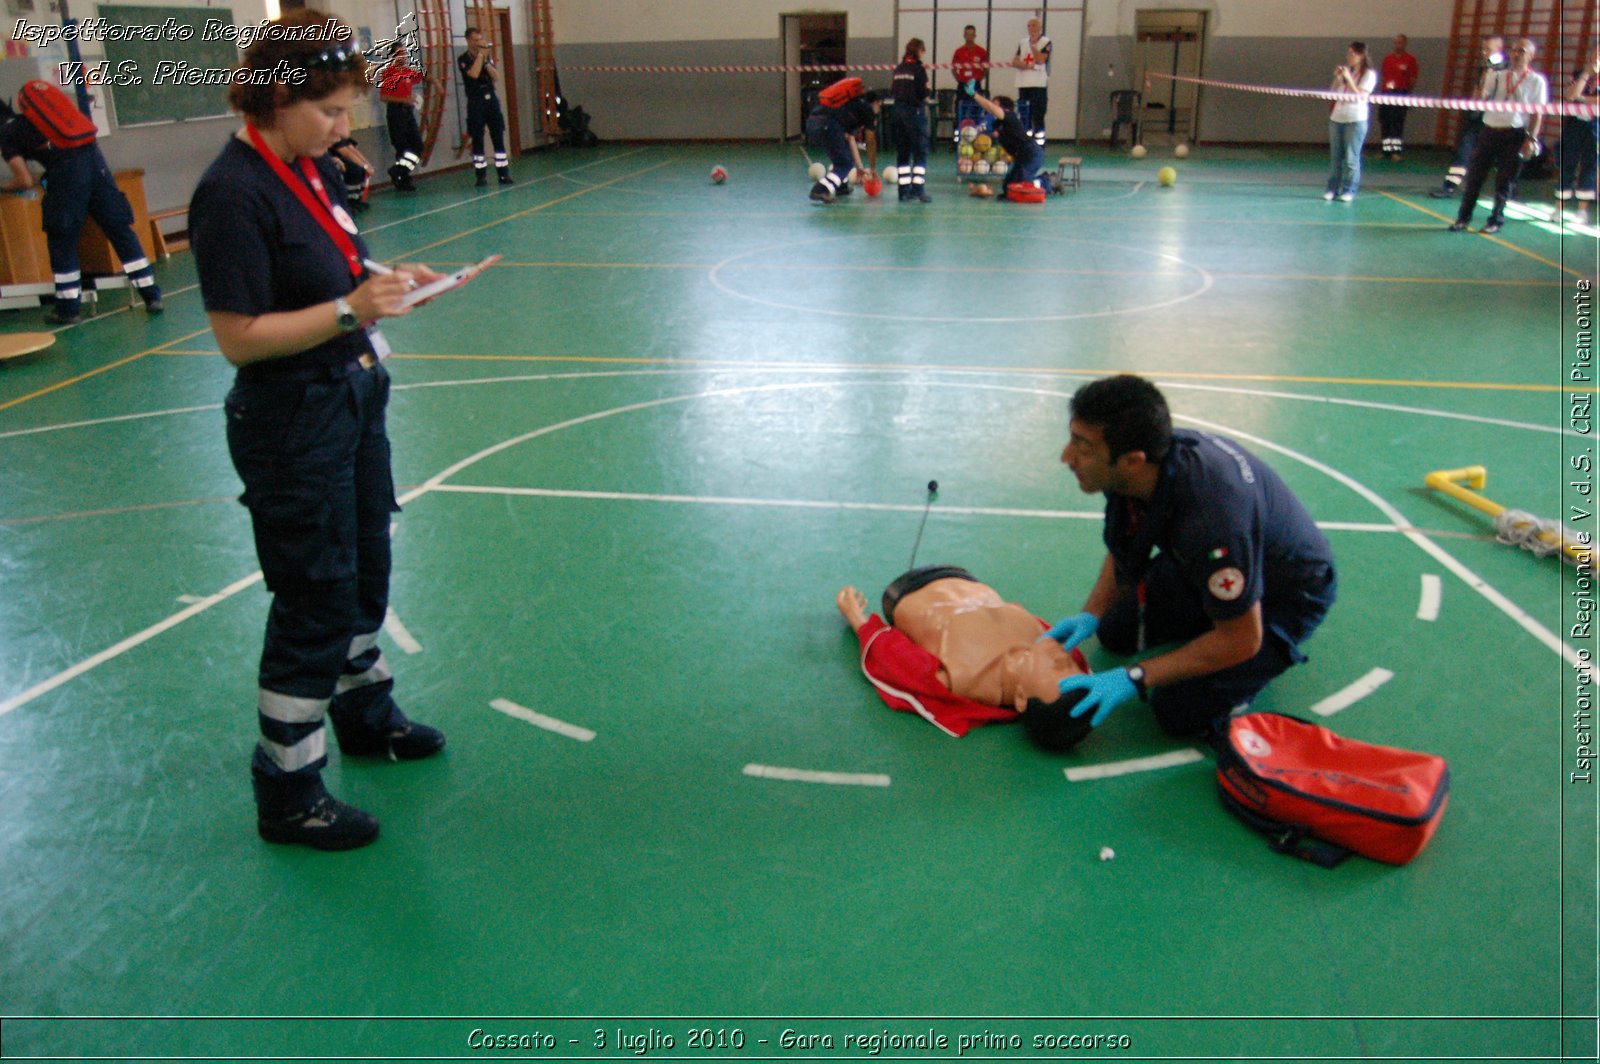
[1069,171]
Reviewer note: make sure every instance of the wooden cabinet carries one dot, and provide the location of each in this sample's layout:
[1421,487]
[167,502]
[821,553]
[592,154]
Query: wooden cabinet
[95,256]
[24,259]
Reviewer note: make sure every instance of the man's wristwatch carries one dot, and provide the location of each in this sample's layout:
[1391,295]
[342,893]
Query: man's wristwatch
[348,322]
[1136,674]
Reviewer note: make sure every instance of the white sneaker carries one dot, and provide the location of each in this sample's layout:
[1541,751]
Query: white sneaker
[1348,197]
[1327,195]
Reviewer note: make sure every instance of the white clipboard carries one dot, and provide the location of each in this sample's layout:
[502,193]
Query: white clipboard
[446,283]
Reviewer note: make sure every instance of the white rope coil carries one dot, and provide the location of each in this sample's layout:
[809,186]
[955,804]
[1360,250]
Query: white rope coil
[1542,536]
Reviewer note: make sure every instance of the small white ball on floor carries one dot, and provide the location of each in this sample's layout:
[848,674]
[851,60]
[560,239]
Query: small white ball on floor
[1138,151]
[1181,151]
[891,175]
[816,171]
[1107,853]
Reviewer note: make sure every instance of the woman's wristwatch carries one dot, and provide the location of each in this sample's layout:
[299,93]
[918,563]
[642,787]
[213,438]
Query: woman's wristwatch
[348,322]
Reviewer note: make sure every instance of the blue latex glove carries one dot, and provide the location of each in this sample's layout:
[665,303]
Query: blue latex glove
[1074,630]
[970,87]
[1107,690]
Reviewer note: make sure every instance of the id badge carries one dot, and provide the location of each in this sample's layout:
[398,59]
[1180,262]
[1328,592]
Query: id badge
[380,346]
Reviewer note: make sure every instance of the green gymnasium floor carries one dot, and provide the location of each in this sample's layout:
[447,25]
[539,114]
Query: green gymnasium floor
[639,458]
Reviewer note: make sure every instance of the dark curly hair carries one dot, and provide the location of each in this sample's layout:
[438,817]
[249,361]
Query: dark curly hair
[316,50]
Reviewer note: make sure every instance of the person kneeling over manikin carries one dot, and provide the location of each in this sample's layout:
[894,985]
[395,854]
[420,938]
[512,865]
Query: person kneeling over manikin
[951,650]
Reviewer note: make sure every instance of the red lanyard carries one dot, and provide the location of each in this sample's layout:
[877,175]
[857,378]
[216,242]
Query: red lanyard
[1511,89]
[324,216]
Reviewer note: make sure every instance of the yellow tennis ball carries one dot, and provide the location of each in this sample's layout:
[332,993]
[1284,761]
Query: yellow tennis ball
[1167,176]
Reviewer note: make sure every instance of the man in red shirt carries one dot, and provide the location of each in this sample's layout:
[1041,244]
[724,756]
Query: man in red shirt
[1397,77]
[397,88]
[971,61]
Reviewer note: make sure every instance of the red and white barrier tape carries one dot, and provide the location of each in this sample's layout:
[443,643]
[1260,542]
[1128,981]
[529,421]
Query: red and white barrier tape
[1554,107]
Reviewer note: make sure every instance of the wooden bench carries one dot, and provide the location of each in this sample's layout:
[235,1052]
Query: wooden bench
[159,243]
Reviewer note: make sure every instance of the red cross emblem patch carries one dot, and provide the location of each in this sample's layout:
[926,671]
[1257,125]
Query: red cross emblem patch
[1226,584]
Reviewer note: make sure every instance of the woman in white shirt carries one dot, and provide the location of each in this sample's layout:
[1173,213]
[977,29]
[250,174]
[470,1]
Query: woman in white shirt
[1347,124]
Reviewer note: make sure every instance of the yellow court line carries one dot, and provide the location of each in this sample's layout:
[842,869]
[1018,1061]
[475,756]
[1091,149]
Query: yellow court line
[1076,219]
[1495,239]
[1270,378]
[95,372]
[531,210]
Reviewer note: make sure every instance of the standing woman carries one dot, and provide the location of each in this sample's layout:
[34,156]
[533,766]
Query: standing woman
[1347,124]
[292,306]
[910,89]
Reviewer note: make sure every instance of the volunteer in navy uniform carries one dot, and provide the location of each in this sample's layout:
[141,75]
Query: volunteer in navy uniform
[1243,578]
[280,269]
[78,185]
[834,129]
[480,79]
[1026,154]
[910,90]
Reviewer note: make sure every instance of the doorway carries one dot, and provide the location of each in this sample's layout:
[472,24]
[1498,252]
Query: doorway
[809,40]
[1173,43]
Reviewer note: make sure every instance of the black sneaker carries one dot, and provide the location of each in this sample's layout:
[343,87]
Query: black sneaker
[844,189]
[922,196]
[483,179]
[1491,227]
[405,740]
[505,176]
[1458,227]
[820,193]
[397,173]
[153,304]
[66,312]
[326,824]
[1447,192]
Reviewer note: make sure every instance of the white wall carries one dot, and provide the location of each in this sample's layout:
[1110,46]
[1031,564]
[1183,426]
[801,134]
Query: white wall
[623,21]
[1374,20]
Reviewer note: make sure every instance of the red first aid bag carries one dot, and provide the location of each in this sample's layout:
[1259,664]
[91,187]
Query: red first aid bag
[1298,783]
[1025,192]
[840,92]
[54,114]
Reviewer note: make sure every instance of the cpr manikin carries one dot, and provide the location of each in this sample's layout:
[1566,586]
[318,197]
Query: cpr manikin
[953,651]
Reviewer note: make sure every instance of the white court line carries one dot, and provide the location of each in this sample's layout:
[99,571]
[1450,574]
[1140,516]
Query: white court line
[1352,694]
[1432,593]
[190,600]
[539,720]
[398,633]
[484,197]
[118,649]
[1137,764]
[804,504]
[805,775]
